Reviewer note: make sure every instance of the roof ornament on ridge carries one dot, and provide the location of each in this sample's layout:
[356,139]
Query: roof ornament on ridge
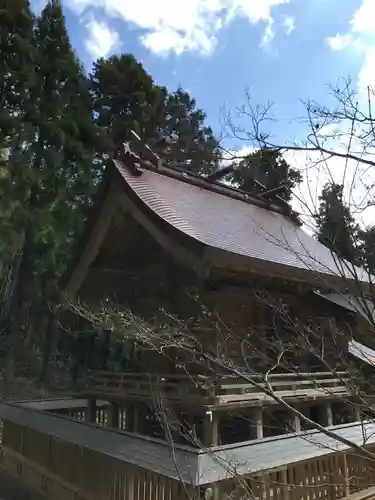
[143,155]
[272,194]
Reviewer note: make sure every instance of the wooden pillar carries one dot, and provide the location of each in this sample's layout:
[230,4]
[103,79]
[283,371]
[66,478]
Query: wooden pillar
[357,414]
[212,492]
[216,492]
[136,415]
[211,429]
[132,417]
[346,475]
[129,417]
[259,422]
[285,485]
[296,423]
[91,410]
[113,416]
[329,414]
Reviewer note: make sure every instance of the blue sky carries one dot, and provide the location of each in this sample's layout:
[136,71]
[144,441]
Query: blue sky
[281,50]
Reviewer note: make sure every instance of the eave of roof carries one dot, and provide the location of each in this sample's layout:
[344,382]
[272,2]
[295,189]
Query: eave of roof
[228,228]
[232,227]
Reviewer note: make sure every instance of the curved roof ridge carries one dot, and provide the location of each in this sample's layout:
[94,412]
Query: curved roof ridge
[225,223]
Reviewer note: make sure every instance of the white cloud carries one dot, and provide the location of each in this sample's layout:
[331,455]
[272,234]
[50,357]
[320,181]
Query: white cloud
[289,24]
[101,39]
[366,76]
[340,42]
[178,26]
[363,20]
[317,170]
[269,34]
[316,173]
[361,35]
[363,24]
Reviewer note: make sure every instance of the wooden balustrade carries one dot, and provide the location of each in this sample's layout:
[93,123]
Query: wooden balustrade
[225,390]
[333,476]
[81,413]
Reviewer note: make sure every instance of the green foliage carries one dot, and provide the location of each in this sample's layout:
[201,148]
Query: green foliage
[125,98]
[367,247]
[48,141]
[49,177]
[63,151]
[16,68]
[193,145]
[268,167]
[337,228]
[17,77]
[56,126]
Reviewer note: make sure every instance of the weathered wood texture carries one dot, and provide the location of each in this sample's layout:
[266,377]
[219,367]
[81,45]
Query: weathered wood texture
[132,270]
[65,471]
[219,391]
[327,478]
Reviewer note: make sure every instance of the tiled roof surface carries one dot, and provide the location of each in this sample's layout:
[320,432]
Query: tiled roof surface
[229,224]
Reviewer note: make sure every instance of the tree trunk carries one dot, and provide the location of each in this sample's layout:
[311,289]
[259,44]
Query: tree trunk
[19,298]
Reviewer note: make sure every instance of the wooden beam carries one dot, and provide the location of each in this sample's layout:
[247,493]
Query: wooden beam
[180,253]
[129,416]
[91,410]
[346,475]
[113,415]
[357,414]
[329,414]
[285,485]
[136,415]
[259,422]
[296,423]
[93,244]
[211,429]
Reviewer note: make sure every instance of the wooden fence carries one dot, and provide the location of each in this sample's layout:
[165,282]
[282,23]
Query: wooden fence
[223,390]
[331,477]
[65,471]
[62,470]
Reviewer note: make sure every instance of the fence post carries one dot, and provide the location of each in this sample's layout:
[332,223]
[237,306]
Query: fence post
[91,410]
[113,419]
[211,429]
[285,487]
[259,422]
[346,475]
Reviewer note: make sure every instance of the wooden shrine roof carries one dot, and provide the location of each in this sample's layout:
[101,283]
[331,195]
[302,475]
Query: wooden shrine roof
[229,228]
[234,226]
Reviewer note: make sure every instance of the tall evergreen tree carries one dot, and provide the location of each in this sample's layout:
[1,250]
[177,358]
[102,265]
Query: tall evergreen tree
[16,67]
[66,137]
[17,77]
[63,155]
[125,98]
[337,228]
[193,144]
[49,172]
[16,81]
[268,167]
